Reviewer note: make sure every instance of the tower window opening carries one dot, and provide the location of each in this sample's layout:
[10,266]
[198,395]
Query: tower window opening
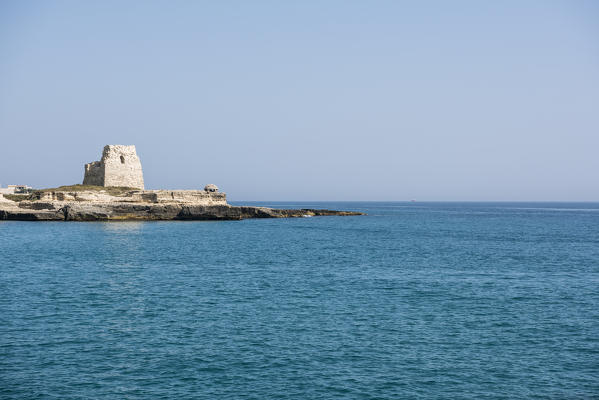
[122,159]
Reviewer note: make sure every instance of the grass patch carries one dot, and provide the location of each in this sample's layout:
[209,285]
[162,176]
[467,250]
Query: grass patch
[111,190]
[17,197]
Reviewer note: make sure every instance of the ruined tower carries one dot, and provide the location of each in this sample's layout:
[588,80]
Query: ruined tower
[119,166]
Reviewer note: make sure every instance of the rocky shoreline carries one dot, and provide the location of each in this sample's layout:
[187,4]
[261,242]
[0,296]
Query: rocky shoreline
[139,206]
[113,190]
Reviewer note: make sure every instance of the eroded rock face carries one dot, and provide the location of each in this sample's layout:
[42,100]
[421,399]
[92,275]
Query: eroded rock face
[199,197]
[119,166]
[149,212]
[141,205]
[146,205]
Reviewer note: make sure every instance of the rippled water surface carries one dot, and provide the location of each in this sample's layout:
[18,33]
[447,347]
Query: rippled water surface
[428,301]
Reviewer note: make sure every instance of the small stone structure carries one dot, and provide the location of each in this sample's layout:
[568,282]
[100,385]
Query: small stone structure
[211,188]
[119,166]
[16,189]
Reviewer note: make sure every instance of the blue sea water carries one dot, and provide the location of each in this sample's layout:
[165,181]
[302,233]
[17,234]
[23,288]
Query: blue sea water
[412,301]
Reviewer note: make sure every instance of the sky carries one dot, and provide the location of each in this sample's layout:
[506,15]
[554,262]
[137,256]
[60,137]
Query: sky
[308,100]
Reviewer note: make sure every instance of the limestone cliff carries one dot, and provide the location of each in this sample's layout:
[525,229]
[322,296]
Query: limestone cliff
[117,204]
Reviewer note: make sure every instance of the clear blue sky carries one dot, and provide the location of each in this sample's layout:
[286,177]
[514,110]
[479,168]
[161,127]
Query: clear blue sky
[308,100]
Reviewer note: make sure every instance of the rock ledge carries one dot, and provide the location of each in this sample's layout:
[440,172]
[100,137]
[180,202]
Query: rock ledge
[145,205]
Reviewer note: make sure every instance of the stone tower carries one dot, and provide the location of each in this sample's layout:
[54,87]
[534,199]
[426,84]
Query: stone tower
[119,166]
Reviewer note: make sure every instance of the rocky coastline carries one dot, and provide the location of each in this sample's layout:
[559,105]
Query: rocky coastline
[120,204]
[113,190]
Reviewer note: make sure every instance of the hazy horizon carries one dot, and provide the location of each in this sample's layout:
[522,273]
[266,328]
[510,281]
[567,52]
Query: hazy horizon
[354,101]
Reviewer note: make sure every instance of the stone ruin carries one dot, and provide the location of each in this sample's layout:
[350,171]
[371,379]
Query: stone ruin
[119,166]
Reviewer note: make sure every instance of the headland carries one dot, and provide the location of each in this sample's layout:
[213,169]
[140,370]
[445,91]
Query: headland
[113,190]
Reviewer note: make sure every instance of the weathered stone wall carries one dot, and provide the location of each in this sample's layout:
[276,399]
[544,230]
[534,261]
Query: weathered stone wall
[94,174]
[119,166]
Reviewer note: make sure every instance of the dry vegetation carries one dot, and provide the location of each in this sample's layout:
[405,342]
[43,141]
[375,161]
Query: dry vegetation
[112,190]
[17,197]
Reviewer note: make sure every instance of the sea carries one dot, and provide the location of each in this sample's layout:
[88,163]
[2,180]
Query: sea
[411,301]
